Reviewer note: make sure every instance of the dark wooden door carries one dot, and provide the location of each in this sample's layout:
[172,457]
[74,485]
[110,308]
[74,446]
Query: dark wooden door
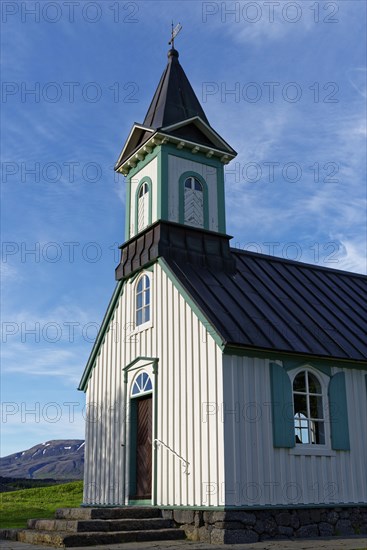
[144,448]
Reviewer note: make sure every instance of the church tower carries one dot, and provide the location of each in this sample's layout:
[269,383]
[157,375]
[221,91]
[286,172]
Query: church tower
[174,168]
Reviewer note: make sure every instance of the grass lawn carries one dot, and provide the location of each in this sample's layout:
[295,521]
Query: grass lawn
[18,506]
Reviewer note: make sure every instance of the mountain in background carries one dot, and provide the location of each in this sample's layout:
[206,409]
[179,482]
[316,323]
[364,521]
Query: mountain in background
[57,459]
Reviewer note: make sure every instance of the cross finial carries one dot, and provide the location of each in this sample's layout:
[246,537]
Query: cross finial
[174,33]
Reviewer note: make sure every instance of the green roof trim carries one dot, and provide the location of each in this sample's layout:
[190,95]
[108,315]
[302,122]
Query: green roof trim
[100,336]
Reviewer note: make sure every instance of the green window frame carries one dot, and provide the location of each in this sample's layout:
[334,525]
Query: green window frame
[144,181]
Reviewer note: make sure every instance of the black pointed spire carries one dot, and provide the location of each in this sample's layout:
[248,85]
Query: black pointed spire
[174,100]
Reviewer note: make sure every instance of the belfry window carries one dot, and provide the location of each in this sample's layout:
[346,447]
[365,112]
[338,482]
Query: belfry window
[309,423]
[143,206]
[193,202]
[142,309]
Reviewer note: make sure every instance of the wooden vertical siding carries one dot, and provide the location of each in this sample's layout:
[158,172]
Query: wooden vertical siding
[188,383]
[176,167]
[256,473]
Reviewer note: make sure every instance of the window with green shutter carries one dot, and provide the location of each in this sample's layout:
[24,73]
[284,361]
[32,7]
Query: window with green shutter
[309,409]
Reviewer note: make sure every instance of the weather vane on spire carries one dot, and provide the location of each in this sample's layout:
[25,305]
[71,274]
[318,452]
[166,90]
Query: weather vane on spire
[174,33]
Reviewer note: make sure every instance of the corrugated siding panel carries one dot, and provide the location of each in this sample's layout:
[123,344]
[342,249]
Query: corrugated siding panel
[259,474]
[189,375]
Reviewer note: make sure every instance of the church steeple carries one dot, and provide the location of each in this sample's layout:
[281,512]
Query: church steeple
[174,161]
[174,99]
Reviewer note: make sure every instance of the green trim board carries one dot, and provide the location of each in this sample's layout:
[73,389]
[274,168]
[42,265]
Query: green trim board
[181,197]
[221,201]
[162,187]
[133,421]
[195,308]
[155,433]
[243,351]
[201,158]
[101,335]
[127,208]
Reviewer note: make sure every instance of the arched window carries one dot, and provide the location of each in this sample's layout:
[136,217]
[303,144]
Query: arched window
[143,206]
[309,422]
[141,385]
[142,306]
[193,202]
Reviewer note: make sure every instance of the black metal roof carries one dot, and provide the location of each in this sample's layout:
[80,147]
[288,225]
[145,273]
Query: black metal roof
[274,304]
[174,100]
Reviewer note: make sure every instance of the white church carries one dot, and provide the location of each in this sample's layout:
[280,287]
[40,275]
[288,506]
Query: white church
[220,379]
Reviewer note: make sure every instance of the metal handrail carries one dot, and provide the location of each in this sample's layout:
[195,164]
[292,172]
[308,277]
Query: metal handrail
[185,464]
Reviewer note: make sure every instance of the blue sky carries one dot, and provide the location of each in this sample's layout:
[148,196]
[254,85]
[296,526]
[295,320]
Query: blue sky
[284,84]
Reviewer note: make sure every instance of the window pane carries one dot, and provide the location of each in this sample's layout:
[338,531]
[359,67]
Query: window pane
[301,428]
[300,404]
[146,315]
[135,389]
[147,296]
[188,183]
[317,433]
[320,430]
[302,436]
[149,385]
[140,286]
[139,301]
[299,383]
[147,282]
[313,384]
[316,407]
[198,186]
[143,189]
[139,382]
[139,317]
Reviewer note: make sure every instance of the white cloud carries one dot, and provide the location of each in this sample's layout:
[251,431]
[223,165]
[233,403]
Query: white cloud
[9,273]
[53,344]
[354,255]
[357,77]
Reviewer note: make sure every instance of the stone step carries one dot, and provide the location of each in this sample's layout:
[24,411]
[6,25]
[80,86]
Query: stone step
[133,512]
[64,539]
[99,525]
